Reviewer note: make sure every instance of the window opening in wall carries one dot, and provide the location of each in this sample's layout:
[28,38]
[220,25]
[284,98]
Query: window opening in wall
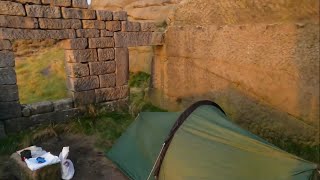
[40,70]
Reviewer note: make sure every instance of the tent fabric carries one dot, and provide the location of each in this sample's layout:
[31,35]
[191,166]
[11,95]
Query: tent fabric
[206,146]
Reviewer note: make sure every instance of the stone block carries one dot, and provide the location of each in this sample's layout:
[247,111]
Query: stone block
[93,24]
[122,66]
[20,170]
[87,33]
[148,26]
[120,16]
[83,83]
[17,124]
[84,97]
[78,43]
[104,15]
[105,33]
[63,104]
[26,111]
[109,94]
[83,55]
[104,67]
[7,76]
[29,1]
[130,26]
[41,107]
[113,26]
[9,93]
[117,105]
[59,23]
[2,131]
[80,4]
[77,70]
[64,3]
[107,80]
[9,33]
[43,11]
[5,45]
[9,110]
[74,13]
[23,123]
[18,22]
[106,54]
[45,1]
[132,39]
[6,59]
[102,42]
[12,8]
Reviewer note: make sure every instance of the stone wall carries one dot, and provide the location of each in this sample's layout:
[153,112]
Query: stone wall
[96,52]
[259,61]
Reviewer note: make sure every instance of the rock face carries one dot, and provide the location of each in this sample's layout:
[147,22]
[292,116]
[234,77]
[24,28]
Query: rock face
[151,10]
[259,60]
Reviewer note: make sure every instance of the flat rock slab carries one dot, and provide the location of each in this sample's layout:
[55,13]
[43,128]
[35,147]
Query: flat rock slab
[21,170]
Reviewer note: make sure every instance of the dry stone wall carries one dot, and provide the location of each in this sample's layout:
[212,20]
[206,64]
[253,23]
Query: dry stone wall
[96,54]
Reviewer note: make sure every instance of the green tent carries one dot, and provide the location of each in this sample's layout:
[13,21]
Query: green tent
[201,144]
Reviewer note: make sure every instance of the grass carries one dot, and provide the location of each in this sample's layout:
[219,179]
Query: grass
[42,76]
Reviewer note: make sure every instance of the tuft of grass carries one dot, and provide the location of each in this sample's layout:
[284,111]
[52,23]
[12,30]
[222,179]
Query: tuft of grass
[42,76]
[139,79]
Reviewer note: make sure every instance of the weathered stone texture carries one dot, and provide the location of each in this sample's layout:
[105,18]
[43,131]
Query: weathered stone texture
[102,42]
[83,83]
[26,111]
[23,123]
[84,97]
[113,26]
[122,66]
[6,59]
[8,33]
[148,26]
[73,13]
[77,70]
[104,15]
[9,93]
[80,4]
[9,110]
[131,39]
[93,24]
[85,55]
[45,1]
[64,3]
[106,54]
[78,43]
[130,26]
[105,33]
[18,22]
[5,45]
[99,68]
[120,16]
[41,107]
[87,33]
[59,23]
[7,76]
[29,1]
[107,80]
[2,131]
[12,8]
[63,104]
[43,11]
[109,94]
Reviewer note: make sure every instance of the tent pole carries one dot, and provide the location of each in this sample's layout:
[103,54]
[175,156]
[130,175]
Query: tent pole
[155,163]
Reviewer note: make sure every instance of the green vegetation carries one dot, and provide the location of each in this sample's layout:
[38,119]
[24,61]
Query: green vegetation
[42,76]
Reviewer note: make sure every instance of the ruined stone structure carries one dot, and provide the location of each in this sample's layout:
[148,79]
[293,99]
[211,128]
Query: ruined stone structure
[96,54]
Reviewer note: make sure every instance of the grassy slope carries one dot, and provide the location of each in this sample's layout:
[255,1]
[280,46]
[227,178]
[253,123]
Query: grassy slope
[42,76]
